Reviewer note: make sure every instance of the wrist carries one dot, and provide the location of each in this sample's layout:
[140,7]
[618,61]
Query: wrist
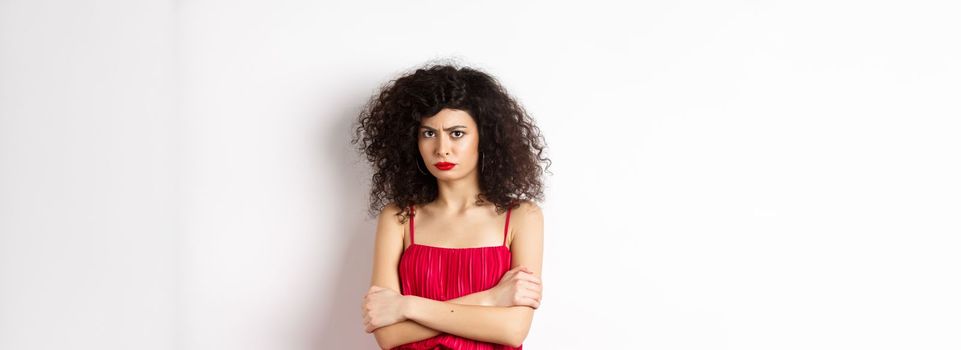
[487,298]
[407,306]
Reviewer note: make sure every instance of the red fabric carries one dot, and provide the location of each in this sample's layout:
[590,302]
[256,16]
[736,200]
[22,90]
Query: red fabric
[447,273]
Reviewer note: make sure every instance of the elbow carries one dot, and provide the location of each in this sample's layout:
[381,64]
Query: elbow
[516,337]
[519,329]
[384,340]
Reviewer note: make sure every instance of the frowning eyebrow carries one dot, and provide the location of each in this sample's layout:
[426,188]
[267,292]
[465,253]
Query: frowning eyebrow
[448,129]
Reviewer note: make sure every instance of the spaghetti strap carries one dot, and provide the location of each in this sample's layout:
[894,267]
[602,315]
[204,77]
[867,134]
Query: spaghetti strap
[507,224]
[411,225]
[445,273]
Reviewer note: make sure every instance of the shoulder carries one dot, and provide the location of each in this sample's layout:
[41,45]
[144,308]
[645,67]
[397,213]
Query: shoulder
[388,247]
[527,218]
[527,245]
[390,216]
[528,210]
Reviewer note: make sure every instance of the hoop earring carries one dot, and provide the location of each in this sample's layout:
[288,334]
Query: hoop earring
[482,162]
[418,167]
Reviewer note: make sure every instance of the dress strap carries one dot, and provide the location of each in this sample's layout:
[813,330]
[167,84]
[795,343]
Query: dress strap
[411,225]
[507,223]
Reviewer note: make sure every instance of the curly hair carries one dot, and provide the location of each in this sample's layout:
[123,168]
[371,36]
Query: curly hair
[387,127]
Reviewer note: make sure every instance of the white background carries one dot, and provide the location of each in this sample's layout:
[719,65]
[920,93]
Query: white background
[726,175]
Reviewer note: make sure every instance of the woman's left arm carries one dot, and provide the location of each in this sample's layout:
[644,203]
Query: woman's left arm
[502,325]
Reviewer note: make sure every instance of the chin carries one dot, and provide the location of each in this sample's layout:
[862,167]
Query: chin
[451,175]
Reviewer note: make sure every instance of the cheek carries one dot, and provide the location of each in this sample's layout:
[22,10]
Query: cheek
[471,144]
[468,147]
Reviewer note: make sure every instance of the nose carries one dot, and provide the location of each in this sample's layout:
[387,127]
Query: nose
[443,147]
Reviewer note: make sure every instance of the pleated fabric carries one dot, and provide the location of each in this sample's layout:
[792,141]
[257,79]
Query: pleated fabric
[448,273]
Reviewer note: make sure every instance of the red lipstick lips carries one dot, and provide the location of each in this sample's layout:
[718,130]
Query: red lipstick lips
[444,165]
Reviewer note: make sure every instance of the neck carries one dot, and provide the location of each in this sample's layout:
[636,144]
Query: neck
[458,195]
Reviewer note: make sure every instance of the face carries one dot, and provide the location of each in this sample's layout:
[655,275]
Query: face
[449,137]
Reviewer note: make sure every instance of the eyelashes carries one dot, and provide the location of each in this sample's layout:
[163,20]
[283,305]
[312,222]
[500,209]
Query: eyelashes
[456,133]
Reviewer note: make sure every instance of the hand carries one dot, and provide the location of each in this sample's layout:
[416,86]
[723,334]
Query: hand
[518,287]
[382,307]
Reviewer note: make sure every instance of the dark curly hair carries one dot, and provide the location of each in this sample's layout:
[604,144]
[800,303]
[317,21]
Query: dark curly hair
[387,128]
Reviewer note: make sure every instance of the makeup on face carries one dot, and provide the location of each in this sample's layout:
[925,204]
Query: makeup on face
[446,137]
[444,165]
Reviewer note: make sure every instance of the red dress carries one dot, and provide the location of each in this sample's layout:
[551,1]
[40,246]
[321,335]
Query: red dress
[447,273]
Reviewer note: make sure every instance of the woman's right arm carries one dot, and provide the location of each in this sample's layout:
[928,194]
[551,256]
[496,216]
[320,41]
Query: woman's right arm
[409,331]
[388,246]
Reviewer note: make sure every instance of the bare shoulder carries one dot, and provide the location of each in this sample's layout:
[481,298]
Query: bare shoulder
[388,220]
[388,246]
[391,209]
[528,211]
[527,246]
[526,220]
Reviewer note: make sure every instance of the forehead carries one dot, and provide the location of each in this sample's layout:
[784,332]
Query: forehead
[447,118]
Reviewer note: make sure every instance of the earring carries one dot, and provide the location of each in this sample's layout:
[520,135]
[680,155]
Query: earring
[418,167]
[482,162]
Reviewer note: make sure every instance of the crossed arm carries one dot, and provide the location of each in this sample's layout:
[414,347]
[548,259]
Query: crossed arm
[472,316]
[483,323]
[409,331]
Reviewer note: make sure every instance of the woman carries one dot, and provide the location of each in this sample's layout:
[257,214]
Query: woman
[459,241]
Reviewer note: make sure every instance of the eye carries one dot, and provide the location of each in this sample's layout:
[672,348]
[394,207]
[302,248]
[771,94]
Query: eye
[455,133]
[425,133]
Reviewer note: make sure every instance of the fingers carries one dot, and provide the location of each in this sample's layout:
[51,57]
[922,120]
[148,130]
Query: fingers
[520,271]
[535,287]
[520,268]
[526,293]
[366,318]
[532,290]
[530,277]
[527,300]
[365,309]
[527,281]
[535,303]
[533,293]
[511,273]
